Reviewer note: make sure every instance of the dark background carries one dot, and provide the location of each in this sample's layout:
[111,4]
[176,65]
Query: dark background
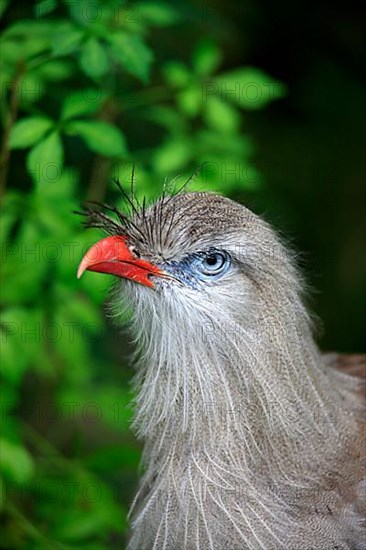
[311,147]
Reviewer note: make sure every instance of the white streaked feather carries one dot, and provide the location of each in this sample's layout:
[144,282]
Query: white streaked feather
[231,393]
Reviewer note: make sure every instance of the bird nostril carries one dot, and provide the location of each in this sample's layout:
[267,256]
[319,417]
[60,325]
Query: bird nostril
[135,251]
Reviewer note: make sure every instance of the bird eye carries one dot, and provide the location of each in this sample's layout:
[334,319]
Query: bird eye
[214,263]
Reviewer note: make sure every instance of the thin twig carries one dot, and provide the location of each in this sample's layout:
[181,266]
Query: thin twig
[11,118]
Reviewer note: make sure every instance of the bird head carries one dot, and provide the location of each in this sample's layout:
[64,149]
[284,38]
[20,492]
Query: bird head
[215,303]
[207,251]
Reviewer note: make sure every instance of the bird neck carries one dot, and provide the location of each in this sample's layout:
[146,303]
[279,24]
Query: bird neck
[233,412]
[232,387]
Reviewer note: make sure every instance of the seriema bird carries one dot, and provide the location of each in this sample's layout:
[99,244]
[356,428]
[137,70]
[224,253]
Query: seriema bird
[252,437]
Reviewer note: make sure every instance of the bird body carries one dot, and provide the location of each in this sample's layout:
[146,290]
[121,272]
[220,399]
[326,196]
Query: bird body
[252,437]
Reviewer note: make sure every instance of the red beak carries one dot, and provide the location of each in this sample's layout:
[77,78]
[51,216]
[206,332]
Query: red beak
[112,255]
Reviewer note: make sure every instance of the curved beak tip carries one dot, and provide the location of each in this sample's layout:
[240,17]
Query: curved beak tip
[80,270]
[112,255]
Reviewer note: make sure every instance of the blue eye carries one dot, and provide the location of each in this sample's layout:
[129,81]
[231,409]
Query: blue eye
[199,267]
[214,263]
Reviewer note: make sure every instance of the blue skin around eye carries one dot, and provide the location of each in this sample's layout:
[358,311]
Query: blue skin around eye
[189,270]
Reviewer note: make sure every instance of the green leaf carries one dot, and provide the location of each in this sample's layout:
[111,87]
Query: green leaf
[93,59]
[13,361]
[176,74]
[157,13]
[206,58]
[221,115]
[22,336]
[80,309]
[28,131]
[10,397]
[212,144]
[12,207]
[16,50]
[26,39]
[172,156]
[132,53]
[101,137]
[82,102]
[3,6]
[62,189]
[16,284]
[167,117]
[88,13]
[45,160]
[33,88]
[15,462]
[66,38]
[190,100]
[248,87]
[11,53]
[44,8]
[54,70]
[28,29]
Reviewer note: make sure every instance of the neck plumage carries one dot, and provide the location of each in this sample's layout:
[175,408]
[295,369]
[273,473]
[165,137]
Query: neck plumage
[232,410]
[257,387]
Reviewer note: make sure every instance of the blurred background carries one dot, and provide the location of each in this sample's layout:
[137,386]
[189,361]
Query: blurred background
[266,97]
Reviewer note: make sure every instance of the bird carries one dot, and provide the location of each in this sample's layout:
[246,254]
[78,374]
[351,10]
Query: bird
[252,437]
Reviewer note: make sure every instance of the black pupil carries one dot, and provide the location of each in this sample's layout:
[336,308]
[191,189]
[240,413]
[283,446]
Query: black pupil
[212,260]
